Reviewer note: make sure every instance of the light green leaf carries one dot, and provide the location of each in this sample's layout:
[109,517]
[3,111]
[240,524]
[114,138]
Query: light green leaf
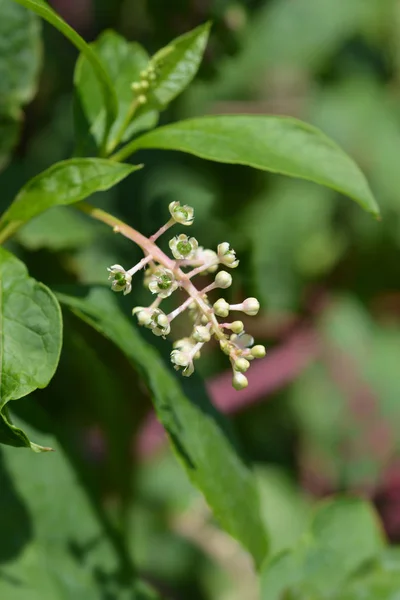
[63,183]
[175,66]
[123,62]
[344,535]
[59,228]
[41,8]
[193,425]
[53,549]
[277,144]
[30,340]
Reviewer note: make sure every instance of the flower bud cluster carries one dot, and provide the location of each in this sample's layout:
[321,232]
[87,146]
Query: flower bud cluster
[164,275]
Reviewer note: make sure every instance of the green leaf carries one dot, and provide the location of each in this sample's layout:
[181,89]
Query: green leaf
[277,144]
[10,126]
[175,66]
[20,60]
[41,8]
[59,228]
[344,535]
[63,183]
[52,549]
[193,425]
[123,62]
[20,54]
[30,340]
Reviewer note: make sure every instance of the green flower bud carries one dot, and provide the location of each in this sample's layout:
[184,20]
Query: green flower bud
[258,351]
[239,381]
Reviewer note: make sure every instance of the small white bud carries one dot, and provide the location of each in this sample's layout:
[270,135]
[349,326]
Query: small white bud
[136,86]
[237,327]
[251,306]
[258,351]
[144,85]
[241,364]
[223,280]
[221,308]
[141,99]
[201,334]
[239,381]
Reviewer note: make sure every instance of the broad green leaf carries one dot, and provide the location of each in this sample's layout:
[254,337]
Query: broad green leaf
[343,536]
[63,183]
[20,54]
[193,425]
[30,340]
[277,144]
[53,549]
[45,11]
[20,59]
[59,228]
[10,126]
[175,66]
[123,62]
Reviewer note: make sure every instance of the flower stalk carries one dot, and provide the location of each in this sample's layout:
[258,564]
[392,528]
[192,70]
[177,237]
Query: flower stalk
[164,275]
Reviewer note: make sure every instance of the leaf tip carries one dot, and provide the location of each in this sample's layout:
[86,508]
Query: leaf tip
[39,449]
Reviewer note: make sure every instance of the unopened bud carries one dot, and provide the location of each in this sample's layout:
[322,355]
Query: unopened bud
[251,306]
[237,326]
[258,351]
[223,280]
[241,364]
[221,308]
[239,381]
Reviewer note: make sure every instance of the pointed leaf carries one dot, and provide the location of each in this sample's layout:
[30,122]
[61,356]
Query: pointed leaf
[63,183]
[194,427]
[30,340]
[176,65]
[277,144]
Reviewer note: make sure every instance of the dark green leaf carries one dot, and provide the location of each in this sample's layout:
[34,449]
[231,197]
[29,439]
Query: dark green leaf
[53,549]
[277,144]
[20,59]
[63,183]
[123,62]
[344,535]
[10,126]
[193,425]
[20,54]
[30,340]
[41,8]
